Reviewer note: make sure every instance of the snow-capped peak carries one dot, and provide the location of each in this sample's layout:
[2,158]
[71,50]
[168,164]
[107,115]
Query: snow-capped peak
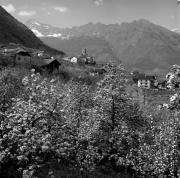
[45,30]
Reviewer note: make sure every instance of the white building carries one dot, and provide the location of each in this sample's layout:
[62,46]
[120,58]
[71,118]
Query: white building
[146,81]
[74,60]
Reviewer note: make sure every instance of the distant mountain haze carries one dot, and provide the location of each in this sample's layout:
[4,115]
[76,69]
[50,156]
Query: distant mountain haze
[12,31]
[139,44]
[97,47]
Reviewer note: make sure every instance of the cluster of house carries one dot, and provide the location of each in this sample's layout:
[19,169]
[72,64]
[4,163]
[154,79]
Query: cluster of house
[16,55]
[30,58]
[171,81]
[83,58]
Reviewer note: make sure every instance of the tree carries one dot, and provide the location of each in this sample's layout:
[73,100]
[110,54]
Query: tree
[117,119]
[28,128]
[46,123]
[158,152]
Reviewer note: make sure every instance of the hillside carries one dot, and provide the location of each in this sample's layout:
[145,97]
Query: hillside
[139,44]
[147,46]
[11,30]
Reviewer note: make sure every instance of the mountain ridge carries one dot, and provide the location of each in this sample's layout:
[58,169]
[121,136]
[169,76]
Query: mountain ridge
[138,44]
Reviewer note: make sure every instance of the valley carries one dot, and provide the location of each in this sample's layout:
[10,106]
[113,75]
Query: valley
[139,45]
[100,100]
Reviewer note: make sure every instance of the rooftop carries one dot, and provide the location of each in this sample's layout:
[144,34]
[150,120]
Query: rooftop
[41,62]
[147,77]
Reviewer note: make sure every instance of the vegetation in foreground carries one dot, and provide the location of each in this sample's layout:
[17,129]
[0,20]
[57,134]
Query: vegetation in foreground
[97,131]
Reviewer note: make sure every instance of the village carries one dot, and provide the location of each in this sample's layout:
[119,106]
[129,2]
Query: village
[15,55]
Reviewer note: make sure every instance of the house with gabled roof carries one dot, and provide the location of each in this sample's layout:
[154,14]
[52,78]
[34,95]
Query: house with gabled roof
[17,56]
[143,80]
[46,65]
[22,57]
[146,81]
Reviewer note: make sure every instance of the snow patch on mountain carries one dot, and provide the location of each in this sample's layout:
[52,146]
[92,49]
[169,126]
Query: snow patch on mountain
[65,37]
[56,35]
[37,33]
[177,30]
[36,23]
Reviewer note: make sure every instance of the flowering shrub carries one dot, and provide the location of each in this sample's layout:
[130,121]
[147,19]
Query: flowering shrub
[158,152]
[117,121]
[86,128]
[26,126]
[45,123]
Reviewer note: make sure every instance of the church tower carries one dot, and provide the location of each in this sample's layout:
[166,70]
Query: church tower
[84,51]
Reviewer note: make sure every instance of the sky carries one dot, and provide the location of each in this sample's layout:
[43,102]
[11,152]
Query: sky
[68,13]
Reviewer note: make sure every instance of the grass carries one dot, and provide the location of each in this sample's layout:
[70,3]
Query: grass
[151,97]
[157,97]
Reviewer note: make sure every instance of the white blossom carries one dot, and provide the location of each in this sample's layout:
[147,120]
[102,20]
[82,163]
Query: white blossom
[173,98]
[25,81]
[32,70]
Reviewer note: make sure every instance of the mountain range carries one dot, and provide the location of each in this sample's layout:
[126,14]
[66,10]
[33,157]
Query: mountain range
[139,44]
[72,41]
[13,31]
